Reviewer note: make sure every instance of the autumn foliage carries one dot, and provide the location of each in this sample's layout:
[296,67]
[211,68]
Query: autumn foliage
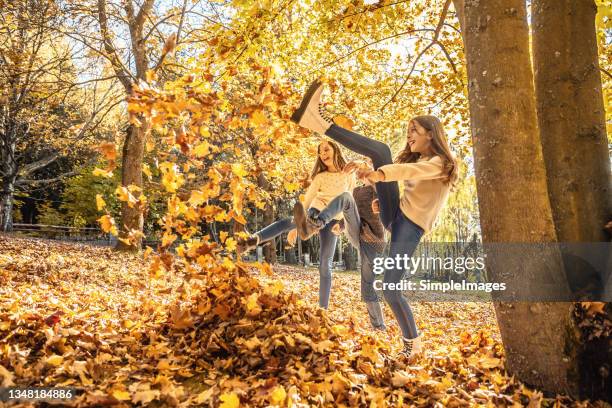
[230,335]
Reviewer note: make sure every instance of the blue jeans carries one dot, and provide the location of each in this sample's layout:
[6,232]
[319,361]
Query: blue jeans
[327,249]
[405,234]
[345,204]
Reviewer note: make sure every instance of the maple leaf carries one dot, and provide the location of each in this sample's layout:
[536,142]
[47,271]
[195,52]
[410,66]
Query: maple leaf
[100,203]
[107,223]
[180,318]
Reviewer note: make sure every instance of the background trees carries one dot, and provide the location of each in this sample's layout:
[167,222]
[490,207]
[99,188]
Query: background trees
[43,120]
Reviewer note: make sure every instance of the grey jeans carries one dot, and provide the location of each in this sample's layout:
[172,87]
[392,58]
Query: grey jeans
[345,204]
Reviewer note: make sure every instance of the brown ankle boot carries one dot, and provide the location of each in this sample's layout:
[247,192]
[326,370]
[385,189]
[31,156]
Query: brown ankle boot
[244,245]
[306,226]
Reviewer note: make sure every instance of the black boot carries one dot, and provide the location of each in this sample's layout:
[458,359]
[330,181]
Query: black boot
[306,226]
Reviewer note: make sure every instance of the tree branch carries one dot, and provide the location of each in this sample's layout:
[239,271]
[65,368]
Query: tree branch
[21,182]
[365,46]
[433,41]
[39,164]
[110,48]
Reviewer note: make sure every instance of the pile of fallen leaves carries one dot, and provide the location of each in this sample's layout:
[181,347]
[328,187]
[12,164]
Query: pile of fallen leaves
[230,335]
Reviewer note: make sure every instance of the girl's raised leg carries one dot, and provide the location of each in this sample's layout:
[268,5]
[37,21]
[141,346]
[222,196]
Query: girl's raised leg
[275,229]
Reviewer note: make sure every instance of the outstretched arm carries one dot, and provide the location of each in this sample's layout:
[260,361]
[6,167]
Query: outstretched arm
[423,170]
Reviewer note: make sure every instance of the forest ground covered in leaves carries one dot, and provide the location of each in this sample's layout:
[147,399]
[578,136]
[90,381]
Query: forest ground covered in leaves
[232,335]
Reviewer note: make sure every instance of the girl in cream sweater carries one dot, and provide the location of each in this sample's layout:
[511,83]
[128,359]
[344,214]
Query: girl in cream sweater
[328,181]
[425,166]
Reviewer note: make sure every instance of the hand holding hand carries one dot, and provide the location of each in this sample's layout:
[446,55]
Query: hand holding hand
[373,176]
[354,165]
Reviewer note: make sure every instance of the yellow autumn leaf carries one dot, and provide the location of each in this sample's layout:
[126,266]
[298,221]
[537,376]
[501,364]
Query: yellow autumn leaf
[197,197]
[202,149]
[231,244]
[252,306]
[229,400]
[168,239]
[123,194]
[238,170]
[274,288]
[258,118]
[171,178]
[278,395]
[55,360]
[147,171]
[291,187]
[344,121]
[122,395]
[102,173]
[107,223]
[100,203]
[489,362]
[204,132]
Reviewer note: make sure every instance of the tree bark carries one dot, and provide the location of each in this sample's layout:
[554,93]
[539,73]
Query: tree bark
[132,158]
[571,118]
[9,171]
[6,204]
[269,250]
[539,338]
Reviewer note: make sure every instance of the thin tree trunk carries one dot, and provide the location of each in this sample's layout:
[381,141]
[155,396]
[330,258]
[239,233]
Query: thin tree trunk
[539,338]
[133,154]
[270,249]
[8,182]
[6,205]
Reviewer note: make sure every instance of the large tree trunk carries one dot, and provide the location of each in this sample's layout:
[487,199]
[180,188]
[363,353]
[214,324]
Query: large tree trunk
[133,154]
[571,117]
[539,338]
[572,128]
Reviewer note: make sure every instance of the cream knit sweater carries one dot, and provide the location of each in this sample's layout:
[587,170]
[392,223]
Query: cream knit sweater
[325,187]
[425,193]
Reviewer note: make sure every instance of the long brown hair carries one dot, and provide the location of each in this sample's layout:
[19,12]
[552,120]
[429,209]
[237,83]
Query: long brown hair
[439,146]
[339,160]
